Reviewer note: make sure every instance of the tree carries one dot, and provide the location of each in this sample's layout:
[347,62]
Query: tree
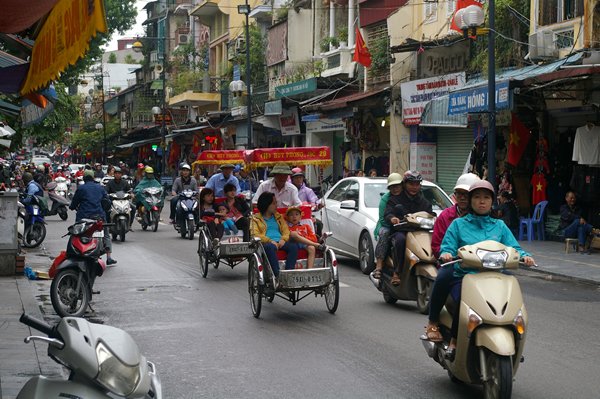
[112,58]
[129,59]
[258,69]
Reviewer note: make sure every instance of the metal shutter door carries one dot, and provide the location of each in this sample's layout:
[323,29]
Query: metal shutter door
[453,148]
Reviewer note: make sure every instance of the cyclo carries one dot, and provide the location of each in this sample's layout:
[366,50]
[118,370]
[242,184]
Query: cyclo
[230,250]
[292,285]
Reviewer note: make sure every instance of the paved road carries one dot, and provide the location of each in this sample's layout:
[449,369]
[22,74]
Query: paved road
[205,342]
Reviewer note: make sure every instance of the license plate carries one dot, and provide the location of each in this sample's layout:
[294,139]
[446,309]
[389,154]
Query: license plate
[235,249]
[98,234]
[304,278]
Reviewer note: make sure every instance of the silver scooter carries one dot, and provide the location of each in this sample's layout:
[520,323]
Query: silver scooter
[102,360]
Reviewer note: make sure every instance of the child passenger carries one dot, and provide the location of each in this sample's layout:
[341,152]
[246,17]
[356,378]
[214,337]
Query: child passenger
[303,235]
[226,217]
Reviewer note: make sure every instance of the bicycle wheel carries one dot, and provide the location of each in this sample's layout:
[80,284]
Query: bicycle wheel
[255,289]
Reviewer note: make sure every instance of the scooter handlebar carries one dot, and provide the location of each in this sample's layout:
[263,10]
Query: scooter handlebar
[39,325]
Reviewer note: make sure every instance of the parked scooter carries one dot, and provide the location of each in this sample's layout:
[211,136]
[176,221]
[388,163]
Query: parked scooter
[153,196]
[419,270]
[62,186]
[74,270]
[103,361]
[60,203]
[186,215]
[120,212]
[35,226]
[492,321]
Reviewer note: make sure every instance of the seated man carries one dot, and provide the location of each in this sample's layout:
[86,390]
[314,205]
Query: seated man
[573,224]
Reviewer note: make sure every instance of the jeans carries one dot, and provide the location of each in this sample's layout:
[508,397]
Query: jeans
[290,261]
[383,243]
[229,226]
[173,206]
[399,243]
[578,230]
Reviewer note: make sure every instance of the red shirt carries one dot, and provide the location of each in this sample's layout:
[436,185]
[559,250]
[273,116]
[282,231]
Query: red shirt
[539,184]
[305,231]
[439,228]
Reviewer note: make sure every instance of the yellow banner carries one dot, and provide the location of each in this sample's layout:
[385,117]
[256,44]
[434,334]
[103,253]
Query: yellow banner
[63,39]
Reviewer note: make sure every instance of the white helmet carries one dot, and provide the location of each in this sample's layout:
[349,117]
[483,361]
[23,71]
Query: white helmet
[185,166]
[465,181]
[394,179]
[41,168]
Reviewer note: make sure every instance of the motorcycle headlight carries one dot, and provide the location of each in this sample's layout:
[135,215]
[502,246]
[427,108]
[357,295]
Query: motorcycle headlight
[425,223]
[35,210]
[115,376]
[492,259]
[185,208]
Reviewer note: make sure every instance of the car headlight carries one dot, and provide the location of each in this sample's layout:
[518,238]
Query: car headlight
[492,259]
[425,223]
[115,376]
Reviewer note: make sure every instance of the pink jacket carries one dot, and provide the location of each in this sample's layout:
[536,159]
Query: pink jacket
[442,222]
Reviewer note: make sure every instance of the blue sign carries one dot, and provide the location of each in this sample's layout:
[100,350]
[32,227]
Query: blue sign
[476,100]
[236,72]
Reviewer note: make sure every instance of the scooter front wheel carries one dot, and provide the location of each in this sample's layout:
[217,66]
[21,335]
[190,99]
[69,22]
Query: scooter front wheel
[191,229]
[424,296]
[34,235]
[156,217]
[69,293]
[62,213]
[500,377]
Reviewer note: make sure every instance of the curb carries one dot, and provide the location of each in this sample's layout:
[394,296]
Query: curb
[562,275]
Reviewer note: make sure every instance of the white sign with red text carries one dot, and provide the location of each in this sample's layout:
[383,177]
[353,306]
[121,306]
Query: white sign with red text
[422,158]
[416,93]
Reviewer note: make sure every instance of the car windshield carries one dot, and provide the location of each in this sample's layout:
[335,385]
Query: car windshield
[439,201]
[373,193]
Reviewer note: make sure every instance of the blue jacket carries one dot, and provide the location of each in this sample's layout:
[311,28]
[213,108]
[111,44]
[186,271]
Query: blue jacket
[88,200]
[472,229]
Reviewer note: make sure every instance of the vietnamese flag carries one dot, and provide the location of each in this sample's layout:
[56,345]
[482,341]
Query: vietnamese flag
[361,52]
[463,4]
[518,139]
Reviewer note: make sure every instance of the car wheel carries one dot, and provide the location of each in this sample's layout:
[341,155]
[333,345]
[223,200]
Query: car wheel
[366,253]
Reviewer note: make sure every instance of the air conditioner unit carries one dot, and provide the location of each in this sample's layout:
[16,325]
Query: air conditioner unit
[240,45]
[183,38]
[542,46]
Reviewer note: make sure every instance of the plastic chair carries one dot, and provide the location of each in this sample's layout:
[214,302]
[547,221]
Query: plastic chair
[534,224]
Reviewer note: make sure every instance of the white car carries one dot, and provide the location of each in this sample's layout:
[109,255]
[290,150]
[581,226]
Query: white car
[351,212]
[74,167]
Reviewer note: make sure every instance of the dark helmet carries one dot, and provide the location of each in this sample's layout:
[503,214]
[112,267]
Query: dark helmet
[412,175]
[27,177]
[482,184]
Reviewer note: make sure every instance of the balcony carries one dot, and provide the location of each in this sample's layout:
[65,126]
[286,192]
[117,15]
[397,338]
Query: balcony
[204,93]
[337,62]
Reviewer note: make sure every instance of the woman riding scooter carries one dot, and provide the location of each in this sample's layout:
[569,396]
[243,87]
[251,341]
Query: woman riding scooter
[474,227]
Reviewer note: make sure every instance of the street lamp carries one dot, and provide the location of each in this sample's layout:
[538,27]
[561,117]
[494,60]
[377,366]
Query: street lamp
[99,126]
[245,9]
[137,46]
[102,125]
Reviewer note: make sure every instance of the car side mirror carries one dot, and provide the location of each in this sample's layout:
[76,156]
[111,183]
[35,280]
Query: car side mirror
[348,204]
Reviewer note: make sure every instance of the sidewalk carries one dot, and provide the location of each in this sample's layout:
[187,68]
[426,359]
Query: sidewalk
[551,258]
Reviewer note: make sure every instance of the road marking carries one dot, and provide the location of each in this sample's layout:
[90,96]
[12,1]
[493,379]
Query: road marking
[342,285]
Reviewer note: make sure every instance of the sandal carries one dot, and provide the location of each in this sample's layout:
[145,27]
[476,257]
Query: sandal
[433,334]
[377,274]
[395,280]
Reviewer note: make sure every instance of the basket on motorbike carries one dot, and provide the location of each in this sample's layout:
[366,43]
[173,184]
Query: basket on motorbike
[294,285]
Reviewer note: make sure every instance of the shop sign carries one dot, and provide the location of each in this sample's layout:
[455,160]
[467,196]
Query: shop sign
[63,39]
[273,108]
[476,100]
[423,159]
[303,86]
[290,123]
[417,93]
[326,125]
[442,60]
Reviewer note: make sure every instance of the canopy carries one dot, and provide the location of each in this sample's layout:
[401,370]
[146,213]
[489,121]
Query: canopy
[319,156]
[18,15]
[219,157]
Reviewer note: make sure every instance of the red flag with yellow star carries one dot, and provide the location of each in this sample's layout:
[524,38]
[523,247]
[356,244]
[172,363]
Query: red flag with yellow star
[517,142]
[361,52]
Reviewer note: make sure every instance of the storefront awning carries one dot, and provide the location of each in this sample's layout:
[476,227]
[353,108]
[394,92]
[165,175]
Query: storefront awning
[342,102]
[139,143]
[181,132]
[435,114]
[18,15]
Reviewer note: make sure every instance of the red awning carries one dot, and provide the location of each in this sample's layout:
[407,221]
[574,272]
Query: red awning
[373,11]
[18,15]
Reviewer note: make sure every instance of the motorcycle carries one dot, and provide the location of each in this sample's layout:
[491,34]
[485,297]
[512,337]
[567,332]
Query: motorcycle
[103,361]
[35,226]
[74,271]
[419,270]
[492,321]
[186,215]
[60,203]
[62,186]
[150,217]
[120,212]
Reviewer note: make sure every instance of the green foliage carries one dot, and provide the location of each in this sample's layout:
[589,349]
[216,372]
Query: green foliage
[90,139]
[380,56]
[326,41]
[258,68]
[508,51]
[112,58]
[281,13]
[129,59]
[342,33]
[53,126]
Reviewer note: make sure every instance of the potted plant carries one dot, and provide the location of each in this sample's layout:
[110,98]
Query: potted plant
[328,42]
[342,34]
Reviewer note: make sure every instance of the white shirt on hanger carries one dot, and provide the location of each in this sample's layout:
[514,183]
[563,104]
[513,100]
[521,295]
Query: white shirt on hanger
[586,149]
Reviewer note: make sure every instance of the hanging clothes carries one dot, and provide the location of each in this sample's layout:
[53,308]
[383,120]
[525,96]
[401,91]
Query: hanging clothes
[586,149]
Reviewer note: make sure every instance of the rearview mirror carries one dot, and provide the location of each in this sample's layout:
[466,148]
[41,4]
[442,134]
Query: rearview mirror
[348,204]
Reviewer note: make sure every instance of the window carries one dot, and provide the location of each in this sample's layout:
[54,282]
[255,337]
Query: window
[338,193]
[450,7]
[553,11]
[353,191]
[430,11]
[373,193]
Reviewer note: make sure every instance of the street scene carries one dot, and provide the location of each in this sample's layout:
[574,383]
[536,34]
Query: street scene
[296,198]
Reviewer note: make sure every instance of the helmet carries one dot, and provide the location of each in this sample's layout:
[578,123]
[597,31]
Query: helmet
[394,179]
[117,169]
[484,184]
[140,166]
[412,175]
[465,181]
[88,173]
[59,168]
[296,170]
[186,166]
[41,168]
[149,169]
[27,177]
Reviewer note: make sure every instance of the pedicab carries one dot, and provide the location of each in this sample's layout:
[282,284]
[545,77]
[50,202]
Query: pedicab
[293,285]
[230,250]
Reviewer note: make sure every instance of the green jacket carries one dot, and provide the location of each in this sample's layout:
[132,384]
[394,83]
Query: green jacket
[145,183]
[381,221]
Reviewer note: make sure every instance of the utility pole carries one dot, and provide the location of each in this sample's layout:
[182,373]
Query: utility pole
[104,149]
[248,80]
[491,156]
